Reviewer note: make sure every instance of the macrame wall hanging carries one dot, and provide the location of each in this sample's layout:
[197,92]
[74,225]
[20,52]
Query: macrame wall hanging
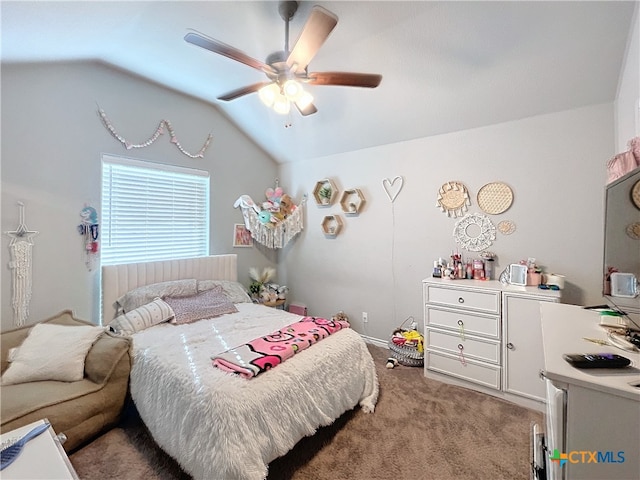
[274,222]
[159,131]
[21,247]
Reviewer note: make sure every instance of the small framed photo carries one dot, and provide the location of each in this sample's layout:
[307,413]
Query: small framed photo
[241,236]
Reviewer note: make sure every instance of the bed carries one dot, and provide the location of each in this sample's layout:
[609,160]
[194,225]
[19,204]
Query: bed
[218,425]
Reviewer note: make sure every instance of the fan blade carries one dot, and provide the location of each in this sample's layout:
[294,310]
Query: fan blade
[314,33]
[345,79]
[309,109]
[243,91]
[228,51]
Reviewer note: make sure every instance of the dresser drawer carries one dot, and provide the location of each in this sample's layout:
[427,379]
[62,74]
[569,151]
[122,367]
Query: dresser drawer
[464,322]
[472,371]
[485,301]
[469,347]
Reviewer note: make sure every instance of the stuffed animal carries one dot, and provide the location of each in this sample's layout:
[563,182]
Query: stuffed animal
[287,207]
[274,195]
[340,316]
[282,291]
[392,362]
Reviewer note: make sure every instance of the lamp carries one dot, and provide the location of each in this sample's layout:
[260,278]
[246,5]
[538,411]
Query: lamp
[279,96]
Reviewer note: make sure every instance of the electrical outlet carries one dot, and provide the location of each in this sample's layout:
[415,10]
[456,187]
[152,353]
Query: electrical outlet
[365,317]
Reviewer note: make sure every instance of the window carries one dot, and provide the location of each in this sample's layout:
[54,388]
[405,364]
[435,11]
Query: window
[152,211]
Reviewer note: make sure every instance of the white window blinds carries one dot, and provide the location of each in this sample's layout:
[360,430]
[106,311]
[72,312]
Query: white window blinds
[152,211]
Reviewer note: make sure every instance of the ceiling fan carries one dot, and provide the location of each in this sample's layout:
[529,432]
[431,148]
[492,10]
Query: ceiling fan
[287,70]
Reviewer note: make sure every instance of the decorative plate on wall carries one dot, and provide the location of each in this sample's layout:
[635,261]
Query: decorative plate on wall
[453,198]
[495,198]
[474,232]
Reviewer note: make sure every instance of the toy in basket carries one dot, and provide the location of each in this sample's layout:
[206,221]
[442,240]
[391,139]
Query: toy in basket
[407,346]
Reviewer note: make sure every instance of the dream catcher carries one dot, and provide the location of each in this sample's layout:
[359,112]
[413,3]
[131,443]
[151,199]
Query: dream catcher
[90,230]
[453,198]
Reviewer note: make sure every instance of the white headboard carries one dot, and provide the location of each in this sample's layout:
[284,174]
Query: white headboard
[119,279]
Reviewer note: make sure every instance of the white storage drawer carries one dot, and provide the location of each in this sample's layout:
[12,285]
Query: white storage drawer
[486,301]
[483,374]
[474,348]
[464,322]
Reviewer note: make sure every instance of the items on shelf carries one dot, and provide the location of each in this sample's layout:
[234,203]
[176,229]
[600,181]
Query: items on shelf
[471,269]
[263,290]
[325,192]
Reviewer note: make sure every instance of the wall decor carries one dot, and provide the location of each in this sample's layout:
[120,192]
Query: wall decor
[393,187]
[89,228]
[633,230]
[241,236]
[495,198]
[325,192]
[474,232]
[273,223]
[331,225]
[635,194]
[159,131]
[352,201]
[506,227]
[453,198]
[21,248]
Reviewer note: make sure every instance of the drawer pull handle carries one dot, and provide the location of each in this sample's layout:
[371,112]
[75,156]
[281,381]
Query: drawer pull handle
[510,346]
[461,323]
[461,355]
[460,300]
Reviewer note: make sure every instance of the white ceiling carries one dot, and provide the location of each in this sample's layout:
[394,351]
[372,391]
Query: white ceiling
[446,66]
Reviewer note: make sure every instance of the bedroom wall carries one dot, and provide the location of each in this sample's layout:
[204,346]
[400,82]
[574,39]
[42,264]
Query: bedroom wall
[628,98]
[52,140]
[555,165]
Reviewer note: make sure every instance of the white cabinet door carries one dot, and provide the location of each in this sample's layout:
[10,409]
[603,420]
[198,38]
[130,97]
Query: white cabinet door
[522,339]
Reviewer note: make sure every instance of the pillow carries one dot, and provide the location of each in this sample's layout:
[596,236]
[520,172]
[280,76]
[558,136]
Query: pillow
[142,317]
[207,304]
[142,295]
[52,352]
[234,291]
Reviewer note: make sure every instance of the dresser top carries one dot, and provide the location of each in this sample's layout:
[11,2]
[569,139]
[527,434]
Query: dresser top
[492,285]
[564,328]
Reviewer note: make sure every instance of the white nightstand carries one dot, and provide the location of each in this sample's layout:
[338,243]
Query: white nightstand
[42,457]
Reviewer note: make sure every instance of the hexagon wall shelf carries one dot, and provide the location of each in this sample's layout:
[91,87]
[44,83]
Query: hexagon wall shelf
[331,225]
[319,190]
[352,201]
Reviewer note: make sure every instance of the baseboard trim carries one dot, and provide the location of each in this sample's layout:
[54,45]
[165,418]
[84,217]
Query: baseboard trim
[374,341]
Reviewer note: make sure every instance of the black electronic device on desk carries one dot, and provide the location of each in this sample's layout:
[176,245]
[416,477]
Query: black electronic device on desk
[596,360]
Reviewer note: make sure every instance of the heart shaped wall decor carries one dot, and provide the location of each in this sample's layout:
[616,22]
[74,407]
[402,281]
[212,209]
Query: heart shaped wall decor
[392,187]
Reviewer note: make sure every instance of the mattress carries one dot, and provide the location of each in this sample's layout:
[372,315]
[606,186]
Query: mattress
[222,426]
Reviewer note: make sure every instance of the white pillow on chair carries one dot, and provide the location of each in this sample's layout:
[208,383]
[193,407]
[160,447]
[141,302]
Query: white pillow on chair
[51,352]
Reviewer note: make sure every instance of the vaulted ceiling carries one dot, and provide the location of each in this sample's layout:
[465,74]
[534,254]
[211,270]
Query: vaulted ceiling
[445,66]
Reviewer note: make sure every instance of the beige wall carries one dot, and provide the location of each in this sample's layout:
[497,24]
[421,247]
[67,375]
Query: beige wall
[555,165]
[627,117]
[52,141]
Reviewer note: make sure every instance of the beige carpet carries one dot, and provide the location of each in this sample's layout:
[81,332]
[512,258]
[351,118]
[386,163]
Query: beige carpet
[422,429]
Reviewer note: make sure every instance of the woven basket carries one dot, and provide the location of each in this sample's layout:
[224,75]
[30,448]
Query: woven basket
[406,355]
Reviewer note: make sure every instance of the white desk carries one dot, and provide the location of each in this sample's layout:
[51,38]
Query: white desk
[593,410]
[42,458]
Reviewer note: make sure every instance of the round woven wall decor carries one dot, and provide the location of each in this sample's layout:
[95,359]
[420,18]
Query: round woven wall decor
[633,230]
[495,198]
[474,232]
[635,194]
[506,227]
[453,198]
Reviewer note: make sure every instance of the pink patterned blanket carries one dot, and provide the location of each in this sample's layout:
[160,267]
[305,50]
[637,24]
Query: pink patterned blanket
[263,353]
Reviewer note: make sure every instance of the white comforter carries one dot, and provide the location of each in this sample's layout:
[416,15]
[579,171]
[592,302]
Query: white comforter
[221,426]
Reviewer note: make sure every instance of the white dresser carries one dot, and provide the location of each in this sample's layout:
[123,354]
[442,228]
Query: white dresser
[487,336]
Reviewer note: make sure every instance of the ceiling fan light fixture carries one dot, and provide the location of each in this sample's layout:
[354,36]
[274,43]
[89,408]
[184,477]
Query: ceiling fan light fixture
[292,90]
[304,101]
[269,93]
[281,105]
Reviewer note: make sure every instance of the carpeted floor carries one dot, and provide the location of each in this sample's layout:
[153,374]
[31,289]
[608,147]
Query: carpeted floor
[421,429]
